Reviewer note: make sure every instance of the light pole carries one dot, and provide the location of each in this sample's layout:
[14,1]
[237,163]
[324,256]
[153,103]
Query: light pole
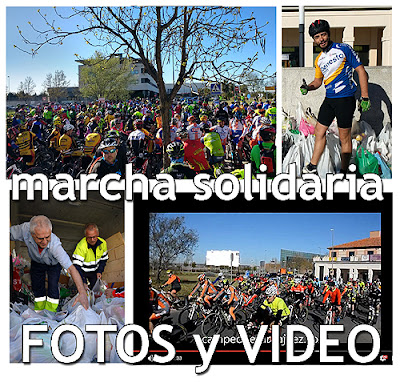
[332,230]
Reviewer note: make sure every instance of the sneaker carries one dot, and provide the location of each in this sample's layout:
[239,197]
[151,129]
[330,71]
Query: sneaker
[309,169]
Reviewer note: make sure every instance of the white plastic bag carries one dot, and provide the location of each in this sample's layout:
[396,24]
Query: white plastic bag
[325,164]
[294,155]
[81,317]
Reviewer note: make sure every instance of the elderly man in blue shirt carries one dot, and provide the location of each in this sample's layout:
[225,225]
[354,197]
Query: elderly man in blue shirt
[47,257]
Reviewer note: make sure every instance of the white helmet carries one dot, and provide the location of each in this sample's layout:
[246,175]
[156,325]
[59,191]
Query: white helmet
[68,126]
[271,291]
[220,274]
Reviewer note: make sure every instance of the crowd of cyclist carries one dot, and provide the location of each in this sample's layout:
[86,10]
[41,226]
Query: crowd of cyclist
[205,137]
[270,299]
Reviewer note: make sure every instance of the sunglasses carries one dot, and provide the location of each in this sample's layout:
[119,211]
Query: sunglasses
[111,151]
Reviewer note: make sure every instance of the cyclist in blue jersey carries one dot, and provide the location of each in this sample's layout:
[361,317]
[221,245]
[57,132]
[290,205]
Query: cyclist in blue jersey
[334,66]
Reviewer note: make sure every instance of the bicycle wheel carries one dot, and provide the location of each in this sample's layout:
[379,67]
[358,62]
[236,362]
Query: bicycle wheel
[211,325]
[189,313]
[303,314]
[241,317]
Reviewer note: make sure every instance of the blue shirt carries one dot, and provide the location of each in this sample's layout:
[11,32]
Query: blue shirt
[53,254]
[336,66]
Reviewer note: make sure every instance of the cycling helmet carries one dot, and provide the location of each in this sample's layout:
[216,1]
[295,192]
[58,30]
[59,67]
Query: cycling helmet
[192,118]
[175,150]
[318,26]
[112,134]
[267,133]
[204,127]
[225,282]
[271,291]
[201,277]
[182,133]
[220,274]
[264,121]
[203,117]
[68,126]
[117,115]
[150,281]
[108,142]
[139,124]
[174,122]
[169,271]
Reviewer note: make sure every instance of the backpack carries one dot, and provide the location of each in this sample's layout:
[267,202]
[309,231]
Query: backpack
[267,157]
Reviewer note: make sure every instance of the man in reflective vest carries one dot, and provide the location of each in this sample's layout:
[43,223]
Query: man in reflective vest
[90,256]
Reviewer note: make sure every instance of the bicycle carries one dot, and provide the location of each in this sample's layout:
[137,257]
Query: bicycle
[195,312]
[297,315]
[219,320]
[373,312]
[331,315]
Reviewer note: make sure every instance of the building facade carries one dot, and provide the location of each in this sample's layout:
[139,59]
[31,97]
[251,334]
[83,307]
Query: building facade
[367,29]
[359,259]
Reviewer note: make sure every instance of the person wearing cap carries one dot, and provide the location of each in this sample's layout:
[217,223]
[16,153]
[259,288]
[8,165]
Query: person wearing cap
[48,257]
[108,162]
[334,67]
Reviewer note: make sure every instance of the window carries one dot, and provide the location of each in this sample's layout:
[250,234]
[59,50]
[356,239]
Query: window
[333,254]
[370,252]
[143,70]
[144,80]
[351,253]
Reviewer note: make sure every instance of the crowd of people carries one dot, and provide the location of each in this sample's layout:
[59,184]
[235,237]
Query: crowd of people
[269,299]
[102,137]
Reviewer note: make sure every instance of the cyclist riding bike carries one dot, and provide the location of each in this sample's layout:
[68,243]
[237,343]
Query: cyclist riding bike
[159,306]
[335,297]
[273,311]
[175,283]
[230,298]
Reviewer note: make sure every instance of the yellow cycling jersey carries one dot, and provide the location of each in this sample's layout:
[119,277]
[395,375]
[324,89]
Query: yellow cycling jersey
[24,142]
[276,305]
[66,143]
[55,139]
[92,141]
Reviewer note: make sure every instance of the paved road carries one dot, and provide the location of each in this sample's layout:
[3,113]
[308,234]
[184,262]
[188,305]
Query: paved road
[313,322]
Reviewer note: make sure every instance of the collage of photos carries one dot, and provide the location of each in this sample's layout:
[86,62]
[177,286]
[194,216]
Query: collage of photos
[99,97]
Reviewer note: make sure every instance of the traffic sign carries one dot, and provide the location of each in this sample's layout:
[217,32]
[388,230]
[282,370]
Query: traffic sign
[216,89]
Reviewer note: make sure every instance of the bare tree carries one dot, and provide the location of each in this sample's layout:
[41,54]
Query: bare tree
[27,86]
[169,239]
[198,38]
[56,85]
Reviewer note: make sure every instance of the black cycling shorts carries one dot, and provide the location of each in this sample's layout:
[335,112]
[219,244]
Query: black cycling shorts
[341,108]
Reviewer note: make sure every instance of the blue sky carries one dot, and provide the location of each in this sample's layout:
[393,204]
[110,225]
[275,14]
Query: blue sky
[19,65]
[262,236]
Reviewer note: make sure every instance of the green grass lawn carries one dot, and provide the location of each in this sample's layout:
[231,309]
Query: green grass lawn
[188,281]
